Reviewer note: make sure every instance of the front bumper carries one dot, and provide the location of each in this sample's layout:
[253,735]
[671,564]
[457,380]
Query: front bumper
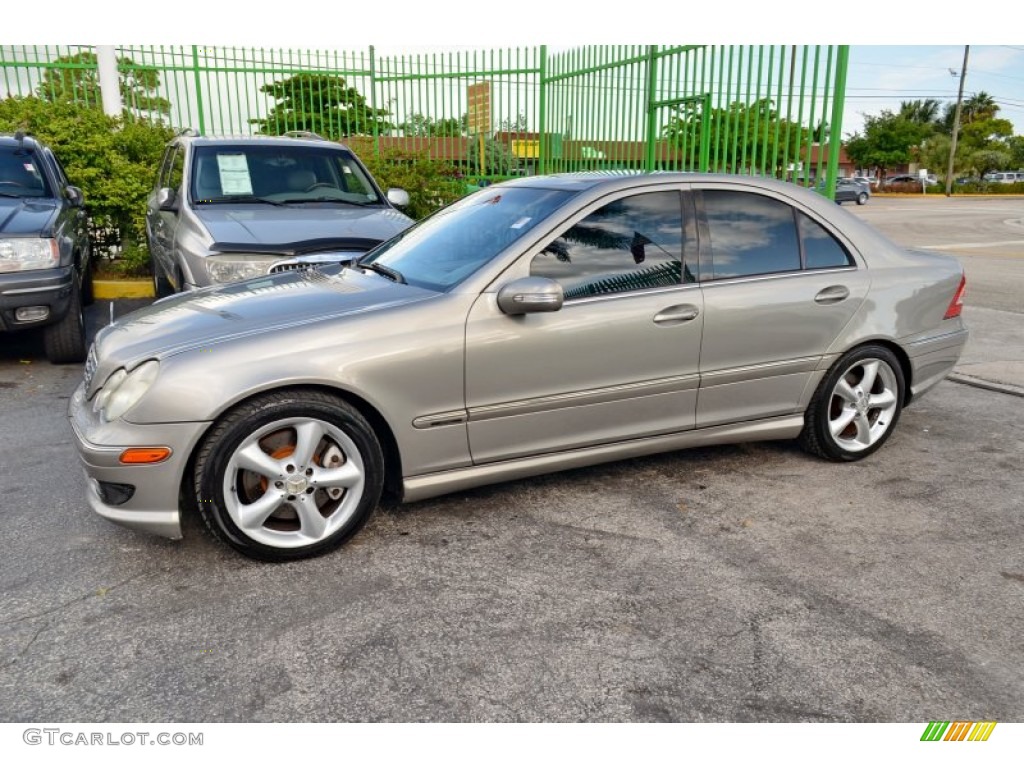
[153,506]
[45,287]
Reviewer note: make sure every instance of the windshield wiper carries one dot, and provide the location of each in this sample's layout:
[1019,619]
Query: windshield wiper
[323,200]
[237,199]
[388,272]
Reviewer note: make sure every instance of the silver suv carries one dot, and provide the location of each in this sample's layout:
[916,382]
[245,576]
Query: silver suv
[226,209]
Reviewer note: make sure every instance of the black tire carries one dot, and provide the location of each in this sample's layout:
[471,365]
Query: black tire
[862,198]
[295,489]
[865,414]
[64,341]
[161,285]
[88,296]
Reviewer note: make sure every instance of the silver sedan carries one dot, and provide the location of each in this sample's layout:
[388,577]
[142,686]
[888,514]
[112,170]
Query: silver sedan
[534,326]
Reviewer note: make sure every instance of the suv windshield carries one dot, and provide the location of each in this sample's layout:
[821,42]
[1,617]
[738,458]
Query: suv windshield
[277,173]
[21,175]
[449,246]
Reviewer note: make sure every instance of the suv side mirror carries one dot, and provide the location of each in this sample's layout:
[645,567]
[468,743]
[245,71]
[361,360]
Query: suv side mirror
[530,294]
[166,199]
[74,196]
[398,197]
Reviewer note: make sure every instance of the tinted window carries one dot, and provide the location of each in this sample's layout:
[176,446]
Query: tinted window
[628,245]
[21,174]
[750,234]
[821,250]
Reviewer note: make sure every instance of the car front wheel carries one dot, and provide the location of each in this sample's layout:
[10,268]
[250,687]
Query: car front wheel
[862,198]
[64,341]
[856,405]
[289,475]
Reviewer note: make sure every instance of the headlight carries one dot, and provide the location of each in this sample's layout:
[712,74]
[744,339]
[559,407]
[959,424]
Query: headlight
[122,390]
[21,253]
[231,269]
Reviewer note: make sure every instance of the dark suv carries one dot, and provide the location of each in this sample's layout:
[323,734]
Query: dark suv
[45,256]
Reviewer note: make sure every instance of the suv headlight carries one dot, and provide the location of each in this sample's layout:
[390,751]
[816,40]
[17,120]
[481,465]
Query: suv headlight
[231,269]
[122,390]
[22,253]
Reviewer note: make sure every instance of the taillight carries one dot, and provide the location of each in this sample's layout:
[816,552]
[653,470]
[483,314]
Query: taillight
[957,304]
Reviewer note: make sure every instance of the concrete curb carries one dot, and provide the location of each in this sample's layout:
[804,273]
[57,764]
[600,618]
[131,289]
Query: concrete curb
[992,386]
[123,289]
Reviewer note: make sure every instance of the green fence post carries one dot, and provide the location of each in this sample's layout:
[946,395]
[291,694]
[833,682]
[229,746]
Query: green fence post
[652,110]
[542,147]
[835,140]
[373,102]
[199,89]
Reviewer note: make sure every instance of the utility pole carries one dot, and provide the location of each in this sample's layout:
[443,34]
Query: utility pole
[956,124]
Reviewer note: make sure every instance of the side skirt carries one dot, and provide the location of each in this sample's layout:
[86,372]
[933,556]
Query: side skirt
[439,483]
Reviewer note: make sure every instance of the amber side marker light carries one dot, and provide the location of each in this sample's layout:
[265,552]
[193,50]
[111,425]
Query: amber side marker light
[957,304]
[144,455]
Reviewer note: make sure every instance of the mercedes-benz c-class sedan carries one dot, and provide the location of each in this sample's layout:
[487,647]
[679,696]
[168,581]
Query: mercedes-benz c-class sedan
[534,326]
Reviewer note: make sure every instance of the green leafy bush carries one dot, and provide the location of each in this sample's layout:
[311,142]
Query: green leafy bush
[431,184]
[113,160]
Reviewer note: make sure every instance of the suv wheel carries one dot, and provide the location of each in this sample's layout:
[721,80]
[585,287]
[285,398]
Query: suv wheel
[64,341]
[161,285]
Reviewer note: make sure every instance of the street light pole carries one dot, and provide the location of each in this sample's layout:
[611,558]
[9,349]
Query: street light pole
[956,124]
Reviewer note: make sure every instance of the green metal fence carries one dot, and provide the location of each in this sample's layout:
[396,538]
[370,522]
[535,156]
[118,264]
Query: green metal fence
[760,110]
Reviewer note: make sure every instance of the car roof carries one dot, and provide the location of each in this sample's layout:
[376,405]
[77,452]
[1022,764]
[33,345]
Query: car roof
[310,140]
[611,180]
[12,140]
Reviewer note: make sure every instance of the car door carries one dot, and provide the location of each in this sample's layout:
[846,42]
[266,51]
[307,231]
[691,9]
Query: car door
[75,221]
[161,225]
[778,288]
[618,360]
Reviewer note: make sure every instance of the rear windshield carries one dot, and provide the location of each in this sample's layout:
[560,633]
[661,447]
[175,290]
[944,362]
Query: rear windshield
[279,173]
[21,174]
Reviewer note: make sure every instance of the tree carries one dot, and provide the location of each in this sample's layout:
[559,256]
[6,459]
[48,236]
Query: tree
[758,123]
[323,104]
[985,160]
[923,112]
[980,106]
[888,140]
[418,124]
[76,78]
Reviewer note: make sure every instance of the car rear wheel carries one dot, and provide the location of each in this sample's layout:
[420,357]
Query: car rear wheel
[862,198]
[289,475]
[64,341]
[856,405]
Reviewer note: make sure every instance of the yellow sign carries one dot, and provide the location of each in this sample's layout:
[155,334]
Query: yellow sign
[478,112]
[526,148]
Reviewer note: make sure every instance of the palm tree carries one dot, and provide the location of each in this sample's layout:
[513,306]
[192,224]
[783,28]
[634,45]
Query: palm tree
[924,112]
[980,106]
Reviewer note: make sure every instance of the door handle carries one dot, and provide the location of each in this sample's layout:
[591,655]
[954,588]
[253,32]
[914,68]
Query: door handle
[832,295]
[680,313]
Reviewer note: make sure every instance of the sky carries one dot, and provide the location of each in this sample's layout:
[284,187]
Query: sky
[899,51]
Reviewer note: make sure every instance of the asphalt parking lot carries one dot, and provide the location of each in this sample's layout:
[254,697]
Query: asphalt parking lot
[739,583]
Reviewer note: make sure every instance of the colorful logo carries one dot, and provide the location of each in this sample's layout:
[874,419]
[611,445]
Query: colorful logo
[958,730]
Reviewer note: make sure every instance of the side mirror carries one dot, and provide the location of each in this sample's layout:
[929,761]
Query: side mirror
[398,197]
[75,196]
[166,199]
[530,294]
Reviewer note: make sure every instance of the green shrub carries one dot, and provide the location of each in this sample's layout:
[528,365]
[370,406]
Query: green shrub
[431,184]
[113,160]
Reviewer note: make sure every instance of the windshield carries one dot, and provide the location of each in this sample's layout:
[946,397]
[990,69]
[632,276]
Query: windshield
[277,173]
[21,175]
[455,242]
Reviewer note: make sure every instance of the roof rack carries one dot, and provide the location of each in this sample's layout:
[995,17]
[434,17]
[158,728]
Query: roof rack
[188,132]
[303,135]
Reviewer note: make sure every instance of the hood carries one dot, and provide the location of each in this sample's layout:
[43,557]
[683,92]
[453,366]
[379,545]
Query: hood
[203,318]
[267,225]
[26,216]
